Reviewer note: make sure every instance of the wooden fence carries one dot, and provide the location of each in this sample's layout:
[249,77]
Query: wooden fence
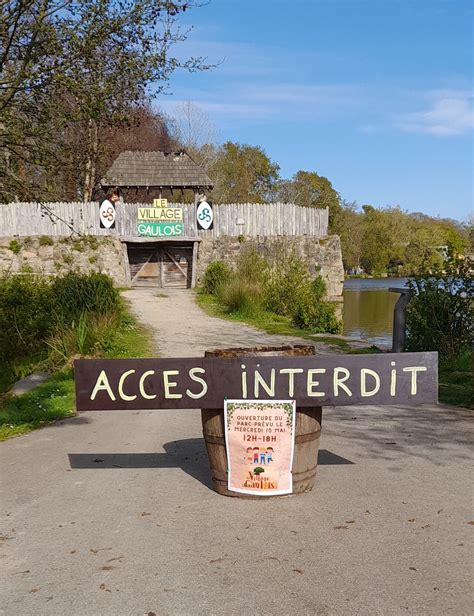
[249,219]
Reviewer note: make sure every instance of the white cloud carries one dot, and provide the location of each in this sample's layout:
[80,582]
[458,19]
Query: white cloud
[451,113]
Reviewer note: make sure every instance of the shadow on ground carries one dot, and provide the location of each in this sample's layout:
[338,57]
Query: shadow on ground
[188,454]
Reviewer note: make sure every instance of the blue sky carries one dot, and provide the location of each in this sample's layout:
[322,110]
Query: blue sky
[376,95]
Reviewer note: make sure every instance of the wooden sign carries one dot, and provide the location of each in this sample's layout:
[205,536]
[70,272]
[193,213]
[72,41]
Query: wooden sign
[318,380]
[260,441]
[160,220]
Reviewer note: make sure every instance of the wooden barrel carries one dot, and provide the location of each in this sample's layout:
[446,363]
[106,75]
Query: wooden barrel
[307,434]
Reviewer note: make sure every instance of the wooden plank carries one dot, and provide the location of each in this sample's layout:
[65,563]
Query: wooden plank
[334,380]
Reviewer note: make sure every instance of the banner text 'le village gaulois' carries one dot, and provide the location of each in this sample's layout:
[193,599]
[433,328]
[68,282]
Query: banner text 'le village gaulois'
[160,220]
[260,439]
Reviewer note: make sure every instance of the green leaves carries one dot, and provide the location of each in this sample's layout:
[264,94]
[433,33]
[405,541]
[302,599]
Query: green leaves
[71,71]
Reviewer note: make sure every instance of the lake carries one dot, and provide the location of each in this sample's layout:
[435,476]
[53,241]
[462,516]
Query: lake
[368,308]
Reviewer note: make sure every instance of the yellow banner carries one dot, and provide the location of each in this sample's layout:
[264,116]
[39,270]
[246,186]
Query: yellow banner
[160,214]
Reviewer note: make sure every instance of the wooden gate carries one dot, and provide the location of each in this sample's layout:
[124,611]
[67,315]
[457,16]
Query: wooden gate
[160,265]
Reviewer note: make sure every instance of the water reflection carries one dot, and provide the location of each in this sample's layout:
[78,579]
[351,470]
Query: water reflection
[368,308]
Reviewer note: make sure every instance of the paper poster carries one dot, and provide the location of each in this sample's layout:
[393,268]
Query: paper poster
[260,437]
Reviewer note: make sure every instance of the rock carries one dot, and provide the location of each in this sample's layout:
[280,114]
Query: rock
[29,382]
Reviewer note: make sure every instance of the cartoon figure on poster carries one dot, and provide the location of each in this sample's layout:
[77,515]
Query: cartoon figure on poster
[260,446]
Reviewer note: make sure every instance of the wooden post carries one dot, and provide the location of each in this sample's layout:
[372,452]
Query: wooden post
[162,268]
[399,318]
[194,265]
[126,265]
[307,433]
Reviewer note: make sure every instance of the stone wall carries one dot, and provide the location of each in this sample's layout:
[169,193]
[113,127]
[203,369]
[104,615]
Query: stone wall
[58,255]
[323,255]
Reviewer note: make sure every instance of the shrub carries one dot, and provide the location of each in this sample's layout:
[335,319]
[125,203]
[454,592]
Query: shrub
[76,293]
[313,312]
[25,315]
[45,240]
[242,296]
[252,266]
[440,316]
[288,277]
[216,274]
[88,335]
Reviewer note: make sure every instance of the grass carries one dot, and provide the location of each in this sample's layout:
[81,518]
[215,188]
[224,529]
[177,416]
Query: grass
[55,399]
[48,402]
[456,383]
[275,324]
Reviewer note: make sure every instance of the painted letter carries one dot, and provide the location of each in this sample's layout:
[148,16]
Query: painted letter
[244,382]
[414,370]
[311,384]
[141,385]
[337,382]
[393,379]
[363,382]
[291,378]
[192,375]
[102,384]
[167,384]
[259,381]
[120,386]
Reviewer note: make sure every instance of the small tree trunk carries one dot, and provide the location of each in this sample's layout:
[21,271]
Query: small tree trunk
[89,177]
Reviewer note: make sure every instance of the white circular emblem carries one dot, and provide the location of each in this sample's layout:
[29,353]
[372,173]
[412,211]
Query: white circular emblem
[204,215]
[107,213]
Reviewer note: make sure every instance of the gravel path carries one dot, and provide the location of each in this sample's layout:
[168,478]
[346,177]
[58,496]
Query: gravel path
[184,330]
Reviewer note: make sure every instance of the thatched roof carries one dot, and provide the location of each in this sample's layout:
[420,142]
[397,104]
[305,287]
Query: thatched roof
[155,170]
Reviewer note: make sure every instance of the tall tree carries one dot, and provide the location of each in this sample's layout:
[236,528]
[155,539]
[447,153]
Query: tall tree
[242,173]
[82,65]
[309,189]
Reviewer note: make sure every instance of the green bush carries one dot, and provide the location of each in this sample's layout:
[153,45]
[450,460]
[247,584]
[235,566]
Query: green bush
[45,240]
[252,266]
[74,314]
[288,276]
[241,296]
[89,334]
[25,315]
[313,312]
[440,316]
[285,288]
[76,293]
[216,274]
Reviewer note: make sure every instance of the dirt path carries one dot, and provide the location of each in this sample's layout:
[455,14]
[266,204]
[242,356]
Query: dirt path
[182,329]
